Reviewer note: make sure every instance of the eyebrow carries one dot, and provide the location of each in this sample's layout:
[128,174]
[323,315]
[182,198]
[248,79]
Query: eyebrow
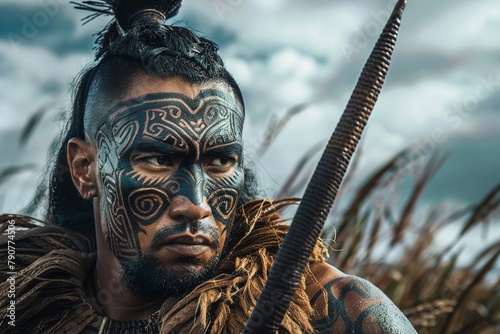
[150,144]
[226,148]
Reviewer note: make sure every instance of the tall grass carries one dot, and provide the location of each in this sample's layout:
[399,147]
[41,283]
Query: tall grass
[398,249]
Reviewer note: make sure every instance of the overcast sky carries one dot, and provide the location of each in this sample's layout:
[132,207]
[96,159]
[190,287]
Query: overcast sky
[443,88]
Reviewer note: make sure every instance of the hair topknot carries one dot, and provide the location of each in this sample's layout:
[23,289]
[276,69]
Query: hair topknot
[127,10]
[127,15]
[138,33]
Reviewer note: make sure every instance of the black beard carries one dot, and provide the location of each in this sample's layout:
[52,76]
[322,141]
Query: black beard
[146,278]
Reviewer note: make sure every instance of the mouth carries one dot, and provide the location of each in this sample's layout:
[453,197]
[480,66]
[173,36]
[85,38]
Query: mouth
[186,244]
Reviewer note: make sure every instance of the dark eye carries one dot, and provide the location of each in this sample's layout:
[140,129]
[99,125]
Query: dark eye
[219,161]
[217,165]
[160,160]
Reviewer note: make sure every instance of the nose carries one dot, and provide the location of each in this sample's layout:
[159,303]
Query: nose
[191,182]
[181,206]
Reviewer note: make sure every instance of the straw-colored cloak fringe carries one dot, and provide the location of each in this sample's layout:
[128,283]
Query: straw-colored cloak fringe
[53,264]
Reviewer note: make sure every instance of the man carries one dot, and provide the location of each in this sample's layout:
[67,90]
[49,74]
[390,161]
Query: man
[152,226]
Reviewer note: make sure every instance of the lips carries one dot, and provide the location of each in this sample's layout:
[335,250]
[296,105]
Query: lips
[186,245]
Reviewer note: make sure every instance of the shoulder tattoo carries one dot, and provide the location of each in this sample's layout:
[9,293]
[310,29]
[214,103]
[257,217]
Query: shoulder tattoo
[353,305]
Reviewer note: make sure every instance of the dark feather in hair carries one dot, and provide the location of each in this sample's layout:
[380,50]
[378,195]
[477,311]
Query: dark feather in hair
[97,8]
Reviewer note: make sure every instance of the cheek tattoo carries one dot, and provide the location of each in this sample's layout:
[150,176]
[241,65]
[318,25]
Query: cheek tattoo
[166,127]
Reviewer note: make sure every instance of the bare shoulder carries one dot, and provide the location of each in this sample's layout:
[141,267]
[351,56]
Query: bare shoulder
[350,304]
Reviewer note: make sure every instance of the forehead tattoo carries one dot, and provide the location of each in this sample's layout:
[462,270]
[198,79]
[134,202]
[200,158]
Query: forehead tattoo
[166,123]
[190,117]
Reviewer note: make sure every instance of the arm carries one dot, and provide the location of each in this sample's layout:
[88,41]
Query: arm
[349,304]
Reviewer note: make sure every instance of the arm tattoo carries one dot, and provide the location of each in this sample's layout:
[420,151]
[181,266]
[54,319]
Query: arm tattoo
[356,306]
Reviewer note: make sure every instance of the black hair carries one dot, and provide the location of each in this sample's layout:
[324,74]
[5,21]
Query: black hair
[148,46]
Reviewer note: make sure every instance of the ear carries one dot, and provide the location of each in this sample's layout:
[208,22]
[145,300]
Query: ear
[81,157]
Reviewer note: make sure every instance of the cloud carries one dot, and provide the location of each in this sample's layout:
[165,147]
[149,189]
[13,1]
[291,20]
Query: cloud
[473,22]
[287,73]
[48,23]
[34,77]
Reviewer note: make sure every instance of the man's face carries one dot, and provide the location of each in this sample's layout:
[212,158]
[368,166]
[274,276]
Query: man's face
[171,171]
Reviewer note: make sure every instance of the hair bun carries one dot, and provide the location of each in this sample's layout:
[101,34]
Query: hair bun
[130,13]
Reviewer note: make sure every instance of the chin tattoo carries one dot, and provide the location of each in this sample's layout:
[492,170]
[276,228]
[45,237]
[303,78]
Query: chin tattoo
[181,132]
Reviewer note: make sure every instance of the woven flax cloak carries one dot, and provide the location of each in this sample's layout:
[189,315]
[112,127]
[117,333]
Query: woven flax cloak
[54,264]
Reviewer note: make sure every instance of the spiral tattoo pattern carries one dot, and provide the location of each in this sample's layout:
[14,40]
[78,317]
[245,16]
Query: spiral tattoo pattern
[223,203]
[148,204]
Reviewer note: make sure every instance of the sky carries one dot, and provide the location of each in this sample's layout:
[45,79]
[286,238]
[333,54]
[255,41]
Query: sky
[442,91]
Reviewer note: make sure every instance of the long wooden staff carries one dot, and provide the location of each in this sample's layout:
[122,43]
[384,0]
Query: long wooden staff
[320,194]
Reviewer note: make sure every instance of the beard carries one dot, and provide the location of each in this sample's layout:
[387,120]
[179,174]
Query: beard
[147,278]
